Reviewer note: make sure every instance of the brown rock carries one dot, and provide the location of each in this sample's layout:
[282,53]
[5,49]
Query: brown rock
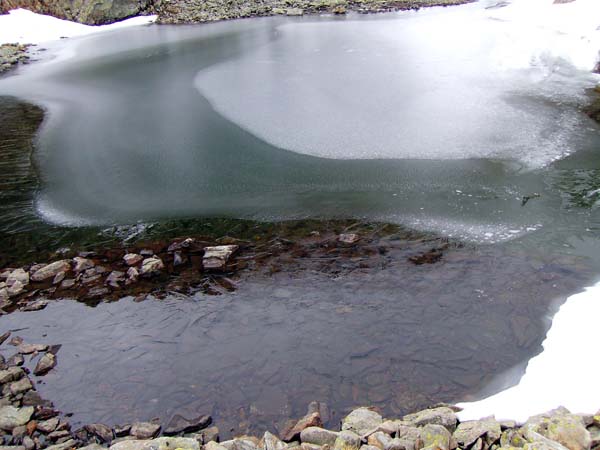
[293,432]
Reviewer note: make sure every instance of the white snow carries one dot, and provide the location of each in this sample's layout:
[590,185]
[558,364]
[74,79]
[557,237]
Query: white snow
[25,27]
[564,374]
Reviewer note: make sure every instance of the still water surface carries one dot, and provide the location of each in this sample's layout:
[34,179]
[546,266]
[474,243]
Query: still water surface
[404,118]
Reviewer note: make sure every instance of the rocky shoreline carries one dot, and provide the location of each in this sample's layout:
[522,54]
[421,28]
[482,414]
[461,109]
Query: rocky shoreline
[13,54]
[29,422]
[210,265]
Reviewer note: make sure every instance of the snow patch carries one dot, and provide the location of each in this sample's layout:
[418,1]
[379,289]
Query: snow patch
[26,27]
[564,374]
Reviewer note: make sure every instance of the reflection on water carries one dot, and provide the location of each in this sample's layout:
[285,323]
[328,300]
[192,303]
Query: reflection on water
[400,338]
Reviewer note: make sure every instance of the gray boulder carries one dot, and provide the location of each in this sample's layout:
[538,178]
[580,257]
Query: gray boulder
[318,436]
[11,417]
[444,416]
[361,421]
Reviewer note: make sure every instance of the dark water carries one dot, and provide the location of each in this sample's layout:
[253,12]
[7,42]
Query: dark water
[166,123]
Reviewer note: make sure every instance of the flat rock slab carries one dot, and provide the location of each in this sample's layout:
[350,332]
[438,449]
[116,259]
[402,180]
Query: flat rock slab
[11,417]
[162,443]
[217,257]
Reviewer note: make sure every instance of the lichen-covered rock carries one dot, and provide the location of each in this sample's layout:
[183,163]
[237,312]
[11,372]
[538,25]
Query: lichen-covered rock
[361,421]
[436,436]
[347,440]
[437,416]
[468,432]
[559,425]
[318,436]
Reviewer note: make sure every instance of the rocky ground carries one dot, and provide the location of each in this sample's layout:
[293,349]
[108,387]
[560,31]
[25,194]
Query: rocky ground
[204,264]
[11,55]
[192,11]
[29,422]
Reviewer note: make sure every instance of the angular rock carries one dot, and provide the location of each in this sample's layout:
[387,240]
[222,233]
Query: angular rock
[379,439]
[45,364]
[361,421]
[212,445]
[179,424]
[175,246]
[47,426]
[67,284]
[241,443]
[17,276]
[60,276]
[349,238]
[101,431]
[51,270]
[11,374]
[92,447]
[144,430]
[68,444]
[437,436]
[16,360]
[292,433]
[17,288]
[19,387]
[216,258]
[272,442]
[396,444]
[32,398]
[132,259]
[561,426]
[468,432]
[347,440]
[80,264]
[318,436]
[115,278]
[28,443]
[151,266]
[437,416]
[36,306]
[27,349]
[122,430]
[11,417]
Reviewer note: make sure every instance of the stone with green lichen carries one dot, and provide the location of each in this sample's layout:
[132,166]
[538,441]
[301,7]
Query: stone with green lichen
[468,432]
[559,426]
[436,436]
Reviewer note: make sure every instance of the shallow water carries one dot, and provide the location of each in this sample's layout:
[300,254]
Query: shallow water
[378,118]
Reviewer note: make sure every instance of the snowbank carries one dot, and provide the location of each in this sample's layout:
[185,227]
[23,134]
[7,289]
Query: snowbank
[25,27]
[565,373]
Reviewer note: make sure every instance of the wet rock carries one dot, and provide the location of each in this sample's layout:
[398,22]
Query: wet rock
[379,439]
[437,416]
[11,417]
[144,430]
[468,432]
[292,432]
[32,398]
[361,421]
[11,374]
[59,278]
[36,306]
[318,436]
[17,275]
[80,264]
[98,291]
[437,436]
[179,424]
[561,426]
[45,364]
[162,443]
[348,238]
[122,430]
[216,258]
[51,270]
[68,444]
[151,266]
[18,387]
[15,360]
[132,259]
[4,337]
[27,349]
[115,278]
[47,426]
[103,432]
[272,442]
[16,341]
[347,440]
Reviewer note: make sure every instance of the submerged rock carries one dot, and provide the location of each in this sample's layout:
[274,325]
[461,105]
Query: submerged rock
[179,424]
[101,431]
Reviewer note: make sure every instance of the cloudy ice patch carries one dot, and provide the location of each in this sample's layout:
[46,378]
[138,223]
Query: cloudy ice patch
[26,27]
[416,85]
[564,374]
